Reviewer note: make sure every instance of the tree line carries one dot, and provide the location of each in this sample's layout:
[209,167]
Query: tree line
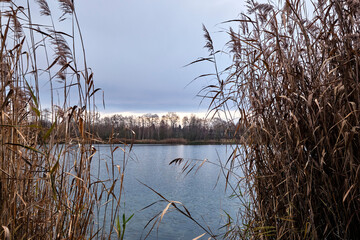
[169,126]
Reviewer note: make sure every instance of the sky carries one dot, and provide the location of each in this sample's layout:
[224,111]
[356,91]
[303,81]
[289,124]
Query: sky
[138,50]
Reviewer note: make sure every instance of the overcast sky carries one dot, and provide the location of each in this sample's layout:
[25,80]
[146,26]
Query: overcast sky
[137,50]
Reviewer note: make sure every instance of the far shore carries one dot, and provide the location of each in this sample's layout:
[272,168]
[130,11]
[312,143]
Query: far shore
[174,141]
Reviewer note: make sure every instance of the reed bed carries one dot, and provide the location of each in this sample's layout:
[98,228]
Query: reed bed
[47,186]
[294,84]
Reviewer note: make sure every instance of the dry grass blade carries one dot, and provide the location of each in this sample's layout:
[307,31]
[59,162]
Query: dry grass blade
[201,164]
[200,236]
[176,161]
[7,235]
[166,209]
[184,212]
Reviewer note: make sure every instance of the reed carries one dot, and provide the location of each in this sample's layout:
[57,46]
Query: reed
[47,186]
[294,83]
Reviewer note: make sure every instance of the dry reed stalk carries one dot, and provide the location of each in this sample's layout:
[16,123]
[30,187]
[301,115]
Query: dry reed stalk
[48,188]
[294,81]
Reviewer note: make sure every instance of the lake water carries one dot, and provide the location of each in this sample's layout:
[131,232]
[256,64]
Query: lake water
[203,193]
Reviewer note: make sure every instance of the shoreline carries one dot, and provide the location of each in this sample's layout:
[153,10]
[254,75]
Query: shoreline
[172,141]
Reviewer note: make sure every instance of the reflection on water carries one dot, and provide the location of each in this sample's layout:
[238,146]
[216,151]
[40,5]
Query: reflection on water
[202,194]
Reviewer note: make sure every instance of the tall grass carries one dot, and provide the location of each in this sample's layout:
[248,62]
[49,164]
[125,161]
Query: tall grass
[47,187]
[294,83]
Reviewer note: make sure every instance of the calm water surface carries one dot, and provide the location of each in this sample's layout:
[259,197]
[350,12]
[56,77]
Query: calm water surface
[202,193]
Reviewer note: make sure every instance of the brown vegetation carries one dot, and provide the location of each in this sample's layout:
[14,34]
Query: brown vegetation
[47,190]
[294,82]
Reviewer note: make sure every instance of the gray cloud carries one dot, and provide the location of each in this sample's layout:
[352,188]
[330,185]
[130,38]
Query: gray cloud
[137,49]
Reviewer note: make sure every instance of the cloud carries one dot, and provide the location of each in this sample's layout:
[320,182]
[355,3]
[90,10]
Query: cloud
[137,49]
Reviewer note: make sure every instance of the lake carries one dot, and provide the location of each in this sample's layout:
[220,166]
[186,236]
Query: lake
[202,191]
